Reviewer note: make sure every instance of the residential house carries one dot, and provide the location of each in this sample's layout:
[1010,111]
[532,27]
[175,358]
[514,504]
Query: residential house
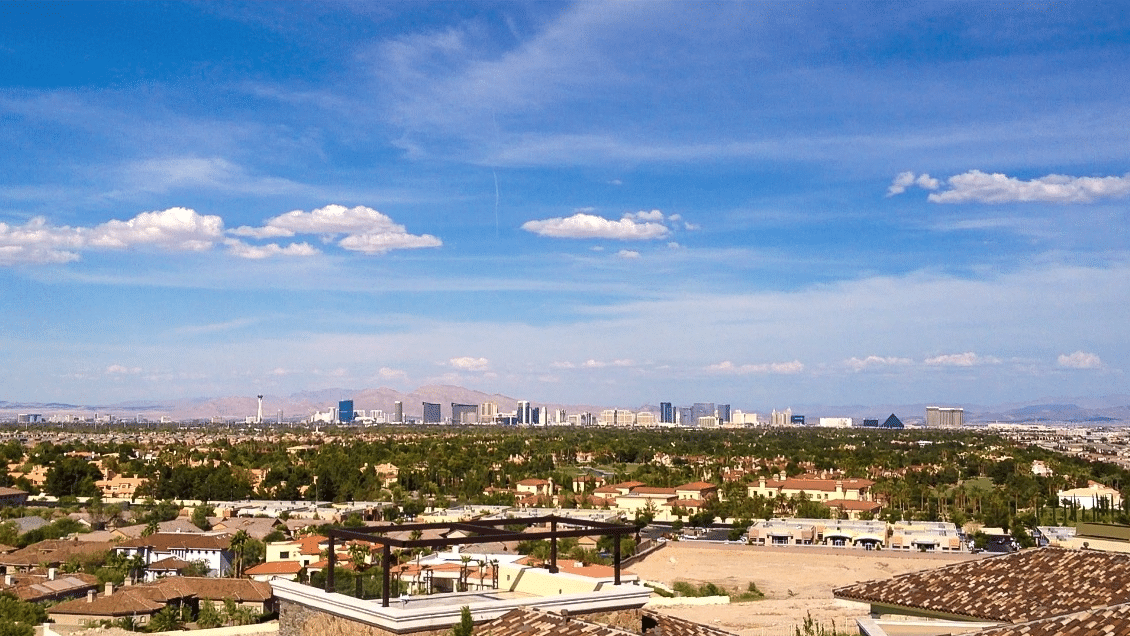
[48,554]
[214,549]
[815,489]
[1094,495]
[50,587]
[12,496]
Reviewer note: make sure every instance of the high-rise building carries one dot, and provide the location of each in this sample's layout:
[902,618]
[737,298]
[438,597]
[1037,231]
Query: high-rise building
[464,413]
[525,413]
[701,409]
[723,412]
[488,411]
[432,414]
[345,411]
[398,412]
[685,416]
[666,413]
[781,418]
[945,417]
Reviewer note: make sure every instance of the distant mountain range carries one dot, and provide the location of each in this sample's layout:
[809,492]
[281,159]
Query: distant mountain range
[1095,410]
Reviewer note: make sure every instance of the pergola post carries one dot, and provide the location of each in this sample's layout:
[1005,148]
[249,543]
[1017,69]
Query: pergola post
[386,554]
[331,564]
[553,547]
[616,557]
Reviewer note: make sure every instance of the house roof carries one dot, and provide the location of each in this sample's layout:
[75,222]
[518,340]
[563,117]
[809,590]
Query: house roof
[1105,620]
[527,621]
[274,567]
[169,563]
[38,587]
[121,603]
[1012,588]
[697,486]
[256,527]
[164,541]
[213,589]
[52,552]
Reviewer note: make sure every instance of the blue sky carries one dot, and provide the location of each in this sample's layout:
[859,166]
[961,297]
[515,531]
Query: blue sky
[610,202]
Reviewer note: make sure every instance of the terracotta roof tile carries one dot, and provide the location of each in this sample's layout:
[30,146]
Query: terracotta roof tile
[1107,620]
[1023,586]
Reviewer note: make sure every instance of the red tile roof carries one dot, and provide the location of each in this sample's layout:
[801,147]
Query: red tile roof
[1097,622]
[1012,588]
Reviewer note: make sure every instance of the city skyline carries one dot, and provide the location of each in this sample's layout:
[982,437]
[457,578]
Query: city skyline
[587,202]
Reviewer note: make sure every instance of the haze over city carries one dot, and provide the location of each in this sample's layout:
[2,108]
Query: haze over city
[575,203]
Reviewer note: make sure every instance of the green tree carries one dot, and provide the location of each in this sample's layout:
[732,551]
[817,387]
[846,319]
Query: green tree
[166,620]
[72,476]
[208,617]
[466,624]
[200,516]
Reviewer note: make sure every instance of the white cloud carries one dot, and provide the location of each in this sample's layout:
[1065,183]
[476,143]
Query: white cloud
[387,373]
[379,243]
[628,254]
[243,250]
[982,187]
[906,179]
[674,245]
[645,215]
[583,225]
[175,229]
[967,359]
[775,368]
[365,229]
[117,369]
[470,364]
[600,364]
[1080,360]
[870,362]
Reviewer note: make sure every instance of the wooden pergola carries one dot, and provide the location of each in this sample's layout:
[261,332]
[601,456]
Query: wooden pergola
[478,532]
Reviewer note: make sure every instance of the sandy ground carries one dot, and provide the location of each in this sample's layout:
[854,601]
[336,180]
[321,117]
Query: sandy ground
[795,581]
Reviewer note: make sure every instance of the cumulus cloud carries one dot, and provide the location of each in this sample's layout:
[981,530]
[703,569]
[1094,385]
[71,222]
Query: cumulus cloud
[365,229]
[628,254]
[871,362]
[1079,360]
[243,250]
[592,364]
[967,359]
[775,368]
[175,229]
[634,226]
[975,186]
[117,369]
[906,179]
[391,374]
[469,364]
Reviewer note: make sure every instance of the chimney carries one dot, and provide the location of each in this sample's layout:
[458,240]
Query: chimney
[90,594]
[109,588]
[50,574]
[7,580]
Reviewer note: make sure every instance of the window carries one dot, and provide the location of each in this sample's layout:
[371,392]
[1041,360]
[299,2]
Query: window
[284,555]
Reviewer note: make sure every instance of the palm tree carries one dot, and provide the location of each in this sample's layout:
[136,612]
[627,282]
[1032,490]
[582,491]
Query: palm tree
[238,543]
[150,528]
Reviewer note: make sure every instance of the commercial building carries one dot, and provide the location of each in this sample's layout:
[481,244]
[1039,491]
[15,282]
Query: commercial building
[723,413]
[464,413]
[398,412]
[345,411]
[944,417]
[666,413]
[432,413]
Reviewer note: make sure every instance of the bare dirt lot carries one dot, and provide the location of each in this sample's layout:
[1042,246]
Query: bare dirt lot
[795,580]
